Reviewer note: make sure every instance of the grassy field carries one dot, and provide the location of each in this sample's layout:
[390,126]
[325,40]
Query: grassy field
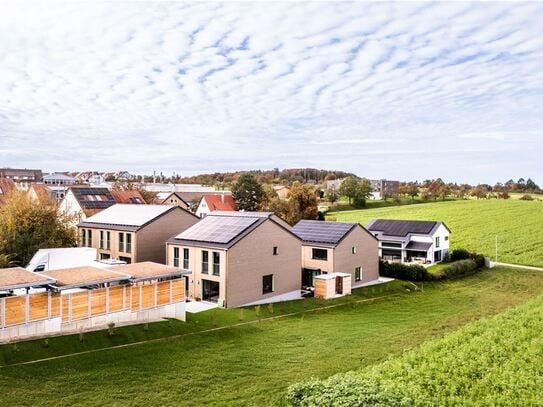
[254,364]
[475,225]
[497,361]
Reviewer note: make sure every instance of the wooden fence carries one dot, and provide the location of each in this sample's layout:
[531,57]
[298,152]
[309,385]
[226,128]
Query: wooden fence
[86,304]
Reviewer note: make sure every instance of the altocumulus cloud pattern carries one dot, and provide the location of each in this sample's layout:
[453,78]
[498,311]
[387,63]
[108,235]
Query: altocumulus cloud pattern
[403,90]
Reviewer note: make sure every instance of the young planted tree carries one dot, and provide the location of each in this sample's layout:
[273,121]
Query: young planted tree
[247,193]
[28,225]
[349,188]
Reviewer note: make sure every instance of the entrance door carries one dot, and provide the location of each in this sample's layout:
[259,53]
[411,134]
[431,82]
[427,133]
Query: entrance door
[339,285]
[210,290]
[437,256]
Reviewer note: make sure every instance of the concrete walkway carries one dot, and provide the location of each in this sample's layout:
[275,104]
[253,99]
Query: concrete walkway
[198,306]
[520,266]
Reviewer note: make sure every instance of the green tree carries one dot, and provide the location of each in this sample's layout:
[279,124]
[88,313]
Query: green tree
[247,192]
[332,195]
[363,192]
[349,188]
[27,225]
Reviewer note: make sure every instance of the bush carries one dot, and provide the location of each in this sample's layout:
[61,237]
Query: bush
[459,254]
[344,390]
[479,259]
[403,271]
[460,268]
[526,197]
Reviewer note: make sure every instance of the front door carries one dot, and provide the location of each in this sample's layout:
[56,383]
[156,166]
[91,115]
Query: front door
[339,285]
[437,256]
[210,290]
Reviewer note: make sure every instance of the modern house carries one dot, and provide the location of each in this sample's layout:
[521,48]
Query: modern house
[58,178]
[133,233]
[87,298]
[6,186]
[91,177]
[171,198]
[337,248]
[238,258]
[382,188]
[82,202]
[212,203]
[411,241]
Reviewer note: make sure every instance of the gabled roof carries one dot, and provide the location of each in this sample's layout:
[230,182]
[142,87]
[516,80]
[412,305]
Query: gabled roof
[225,229]
[162,197]
[93,200]
[220,202]
[128,197]
[402,228]
[6,186]
[316,231]
[58,175]
[128,217]
[191,196]
[17,277]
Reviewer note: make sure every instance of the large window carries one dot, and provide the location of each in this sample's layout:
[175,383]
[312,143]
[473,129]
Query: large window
[391,244]
[205,261]
[128,243]
[185,259]
[89,238]
[102,245]
[320,254]
[358,274]
[267,284]
[216,263]
[176,256]
[437,242]
[83,238]
[108,240]
[121,242]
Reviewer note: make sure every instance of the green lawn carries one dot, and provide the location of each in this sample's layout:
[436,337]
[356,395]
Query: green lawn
[475,225]
[253,364]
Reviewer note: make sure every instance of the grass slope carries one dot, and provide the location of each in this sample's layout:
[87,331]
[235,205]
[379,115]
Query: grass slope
[254,364]
[475,224]
[498,361]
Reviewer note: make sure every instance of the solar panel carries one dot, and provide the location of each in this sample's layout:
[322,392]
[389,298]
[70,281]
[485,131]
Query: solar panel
[321,232]
[394,227]
[218,229]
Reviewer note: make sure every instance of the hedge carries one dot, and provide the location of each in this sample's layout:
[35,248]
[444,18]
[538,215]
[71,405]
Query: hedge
[402,271]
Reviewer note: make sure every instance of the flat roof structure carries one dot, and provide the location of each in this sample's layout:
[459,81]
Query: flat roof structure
[17,277]
[149,270]
[83,276]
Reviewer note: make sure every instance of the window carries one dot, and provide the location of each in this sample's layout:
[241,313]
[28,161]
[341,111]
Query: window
[128,243]
[437,241]
[101,239]
[108,240]
[391,244]
[358,274]
[83,238]
[205,261]
[446,238]
[216,263]
[89,237]
[128,260]
[320,254]
[121,242]
[185,259]
[267,284]
[353,250]
[104,256]
[275,250]
[176,256]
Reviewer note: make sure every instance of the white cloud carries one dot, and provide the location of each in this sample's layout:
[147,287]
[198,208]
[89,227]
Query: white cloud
[193,87]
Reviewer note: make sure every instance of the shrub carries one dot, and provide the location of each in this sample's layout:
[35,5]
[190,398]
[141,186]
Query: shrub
[459,254]
[526,197]
[403,271]
[111,328]
[479,259]
[344,390]
[459,268]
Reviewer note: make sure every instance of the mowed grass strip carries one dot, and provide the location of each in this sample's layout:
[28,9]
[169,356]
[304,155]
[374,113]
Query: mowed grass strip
[475,225]
[254,364]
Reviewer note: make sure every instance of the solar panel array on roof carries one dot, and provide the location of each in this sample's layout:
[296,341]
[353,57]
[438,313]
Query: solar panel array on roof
[393,227]
[218,229]
[321,232]
[82,195]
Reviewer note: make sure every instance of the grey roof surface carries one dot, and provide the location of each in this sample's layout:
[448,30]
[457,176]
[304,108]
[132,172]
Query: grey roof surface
[418,246]
[394,227]
[322,232]
[219,229]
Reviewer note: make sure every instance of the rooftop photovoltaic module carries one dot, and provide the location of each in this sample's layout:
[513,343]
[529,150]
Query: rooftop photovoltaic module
[218,229]
[321,232]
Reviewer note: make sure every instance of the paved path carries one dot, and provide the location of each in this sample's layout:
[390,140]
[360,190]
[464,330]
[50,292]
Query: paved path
[520,266]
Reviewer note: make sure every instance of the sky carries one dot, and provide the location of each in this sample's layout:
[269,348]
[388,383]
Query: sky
[385,90]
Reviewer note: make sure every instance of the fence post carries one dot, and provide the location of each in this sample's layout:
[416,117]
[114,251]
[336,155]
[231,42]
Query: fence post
[27,307]
[107,299]
[155,303]
[171,291]
[141,298]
